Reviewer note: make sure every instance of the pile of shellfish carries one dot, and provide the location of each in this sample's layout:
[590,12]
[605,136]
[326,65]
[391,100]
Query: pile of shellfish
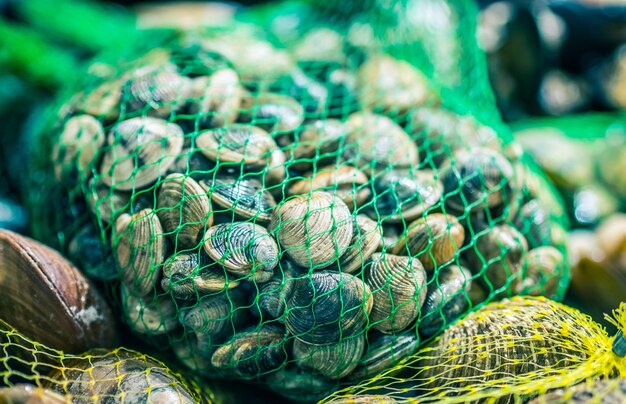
[297,216]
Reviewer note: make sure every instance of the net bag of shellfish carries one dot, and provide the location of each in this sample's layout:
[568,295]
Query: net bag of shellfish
[301,204]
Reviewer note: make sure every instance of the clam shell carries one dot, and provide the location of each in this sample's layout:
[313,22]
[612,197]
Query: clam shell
[398,286]
[252,353]
[244,249]
[120,375]
[91,252]
[272,112]
[446,299]
[246,197]
[105,203]
[404,196]
[320,44]
[298,384]
[392,85]
[77,147]
[313,229]
[141,150]
[45,297]
[184,210]
[345,182]
[317,144]
[274,294]
[139,246]
[609,391]
[535,222]
[327,307]
[187,352]
[375,142]
[544,269]
[158,90]
[238,143]
[103,102]
[211,319]
[148,315]
[306,90]
[497,257]
[334,361]
[29,394]
[477,179]
[192,163]
[434,240]
[221,98]
[365,241]
[186,276]
[384,351]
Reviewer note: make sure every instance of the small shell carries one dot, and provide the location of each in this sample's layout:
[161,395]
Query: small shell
[477,179]
[434,240]
[120,375]
[314,229]
[220,98]
[244,249]
[241,144]
[544,269]
[29,394]
[384,351]
[365,241]
[327,307]
[375,142]
[141,150]
[333,361]
[274,294]
[446,299]
[184,210]
[272,112]
[245,196]
[186,277]
[299,385]
[192,163]
[497,257]
[77,147]
[103,102]
[398,286]
[105,203]
[534,221]
[253,353]
[139,246]
[159,89]
[439,133]
[345,182]
[392,85]
[404,196]
[211,319]
[149,315]
[320,44]
[308,92]
[318,144]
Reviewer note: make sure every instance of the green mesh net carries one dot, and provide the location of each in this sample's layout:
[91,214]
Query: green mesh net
[302,198]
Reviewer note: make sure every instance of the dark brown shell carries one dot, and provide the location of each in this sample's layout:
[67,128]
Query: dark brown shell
[45,297]
[313,229]
[434,240]
[140,249]
[184,210]
[398,286]
[140,151]
[334,361]
[328,306]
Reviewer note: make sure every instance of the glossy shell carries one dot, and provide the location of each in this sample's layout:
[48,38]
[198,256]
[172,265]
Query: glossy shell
[274,294]
[212,319]
[247,197]
[220,98]
[365,241]
[434,240]
[384,351]
[140,151]
[244,249]
[398,286]
[327,307]
[139,249]
[314,229]
[333,361]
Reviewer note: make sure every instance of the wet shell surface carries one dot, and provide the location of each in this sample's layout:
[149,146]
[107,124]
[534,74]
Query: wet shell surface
[334,361]
[246,197]
[140,151]
[434,240]
[187,276]
[398,286]
[274,294]
[139,249]
[184,210]
[326,307]
[347,183]
[244,249]
[383,351]
[79,143]
[365,241]
[314,229]
[252,353]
